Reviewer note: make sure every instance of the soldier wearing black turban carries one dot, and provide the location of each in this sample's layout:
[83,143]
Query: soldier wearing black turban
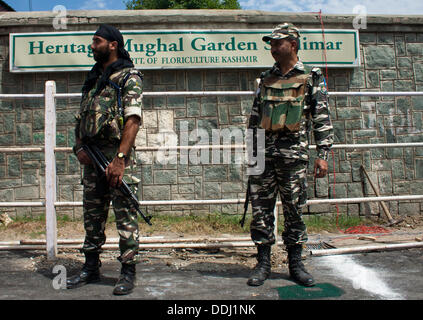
[111,34]
[109,117]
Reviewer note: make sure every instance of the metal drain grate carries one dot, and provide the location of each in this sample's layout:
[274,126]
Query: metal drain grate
[318,245]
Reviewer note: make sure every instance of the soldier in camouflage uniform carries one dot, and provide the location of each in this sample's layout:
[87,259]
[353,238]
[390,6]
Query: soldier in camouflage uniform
[111,122]
[291,102]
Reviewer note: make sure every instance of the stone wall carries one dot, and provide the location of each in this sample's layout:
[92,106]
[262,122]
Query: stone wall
[391,53]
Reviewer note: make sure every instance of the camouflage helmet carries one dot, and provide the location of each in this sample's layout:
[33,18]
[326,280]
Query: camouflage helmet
[283,31]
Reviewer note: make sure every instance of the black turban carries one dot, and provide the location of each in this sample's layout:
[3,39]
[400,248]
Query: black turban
[109,33]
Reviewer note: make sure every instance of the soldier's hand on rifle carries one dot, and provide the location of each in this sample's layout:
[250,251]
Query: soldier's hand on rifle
[115,171]
[320,168]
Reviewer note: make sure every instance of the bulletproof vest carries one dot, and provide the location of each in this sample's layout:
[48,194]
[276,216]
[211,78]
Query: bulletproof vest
[101,115]
[282,102]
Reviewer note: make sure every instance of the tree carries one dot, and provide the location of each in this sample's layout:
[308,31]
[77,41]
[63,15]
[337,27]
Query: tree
[182,4]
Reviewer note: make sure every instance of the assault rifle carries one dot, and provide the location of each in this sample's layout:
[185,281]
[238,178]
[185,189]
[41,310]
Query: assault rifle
[102,163]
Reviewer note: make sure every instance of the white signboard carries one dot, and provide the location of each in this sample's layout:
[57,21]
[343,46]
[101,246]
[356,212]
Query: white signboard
[180,49]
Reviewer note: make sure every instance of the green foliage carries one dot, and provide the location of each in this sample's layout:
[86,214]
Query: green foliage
[203,224]
[182,4]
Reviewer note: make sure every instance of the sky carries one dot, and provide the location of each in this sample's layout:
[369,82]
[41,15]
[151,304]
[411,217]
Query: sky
[48,5]
[393,7]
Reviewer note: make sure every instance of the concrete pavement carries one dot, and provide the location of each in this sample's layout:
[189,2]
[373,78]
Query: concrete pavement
[371,276]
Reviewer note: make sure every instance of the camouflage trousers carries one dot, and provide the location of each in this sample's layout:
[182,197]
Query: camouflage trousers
[288,177]
[96,203]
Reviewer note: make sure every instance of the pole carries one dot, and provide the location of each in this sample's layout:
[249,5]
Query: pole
[360,249]
[415,197]
[276,214]
[50,169]
[382,203]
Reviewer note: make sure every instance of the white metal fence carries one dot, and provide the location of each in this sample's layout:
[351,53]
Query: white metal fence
[50,202]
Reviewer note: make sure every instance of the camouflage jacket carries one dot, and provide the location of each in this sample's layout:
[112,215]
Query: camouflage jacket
[99,118]
[316,118]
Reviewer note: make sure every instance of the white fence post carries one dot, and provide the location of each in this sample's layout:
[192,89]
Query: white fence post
[50,169]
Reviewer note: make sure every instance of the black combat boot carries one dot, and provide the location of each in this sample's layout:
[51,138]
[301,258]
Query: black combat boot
[296,268]
[126,282]
[90,271]
[262,269]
